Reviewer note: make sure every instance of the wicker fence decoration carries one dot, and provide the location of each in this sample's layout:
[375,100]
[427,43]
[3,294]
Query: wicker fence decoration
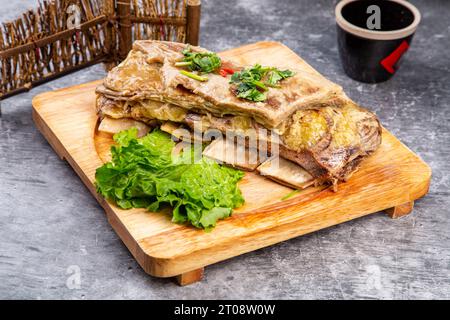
[43,44]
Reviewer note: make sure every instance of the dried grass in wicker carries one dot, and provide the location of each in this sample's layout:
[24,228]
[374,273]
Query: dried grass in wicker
[39,46]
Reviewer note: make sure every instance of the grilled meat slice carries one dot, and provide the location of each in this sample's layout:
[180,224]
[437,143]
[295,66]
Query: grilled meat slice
[287,173]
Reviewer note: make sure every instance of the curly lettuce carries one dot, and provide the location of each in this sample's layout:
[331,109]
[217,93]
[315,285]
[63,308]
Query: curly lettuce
[144,173]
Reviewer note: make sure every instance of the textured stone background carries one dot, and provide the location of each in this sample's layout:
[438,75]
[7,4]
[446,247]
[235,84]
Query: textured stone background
[49,221]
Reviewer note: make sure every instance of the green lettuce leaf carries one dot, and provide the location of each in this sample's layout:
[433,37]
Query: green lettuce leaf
[144,173]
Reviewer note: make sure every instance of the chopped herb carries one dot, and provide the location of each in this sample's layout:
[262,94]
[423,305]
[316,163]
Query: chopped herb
[183,63]
[275,76]
[194,76]
[290,195]
[251,83]
[204,62]
[246,91]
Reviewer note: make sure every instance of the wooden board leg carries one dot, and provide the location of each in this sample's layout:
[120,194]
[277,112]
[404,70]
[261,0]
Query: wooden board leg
[190,277]
[400,210]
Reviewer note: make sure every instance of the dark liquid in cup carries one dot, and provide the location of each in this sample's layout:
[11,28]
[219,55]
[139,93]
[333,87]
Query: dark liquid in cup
[393,16]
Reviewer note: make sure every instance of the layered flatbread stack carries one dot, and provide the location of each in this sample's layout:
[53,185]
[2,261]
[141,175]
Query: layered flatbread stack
[296,128]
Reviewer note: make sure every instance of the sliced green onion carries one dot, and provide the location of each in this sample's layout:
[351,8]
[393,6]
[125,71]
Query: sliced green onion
[290,194]
[183,63]
[193,76]
[260,85]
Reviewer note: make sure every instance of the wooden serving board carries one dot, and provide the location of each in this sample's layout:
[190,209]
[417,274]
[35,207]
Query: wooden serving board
[390,180]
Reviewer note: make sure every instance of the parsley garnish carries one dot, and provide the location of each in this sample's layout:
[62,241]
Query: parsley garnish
[251,83]
[203,62]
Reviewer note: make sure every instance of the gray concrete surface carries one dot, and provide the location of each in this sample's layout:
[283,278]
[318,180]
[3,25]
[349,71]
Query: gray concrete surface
[50,226]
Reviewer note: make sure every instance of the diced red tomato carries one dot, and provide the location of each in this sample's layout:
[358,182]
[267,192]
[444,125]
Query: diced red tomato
[223,73]
[228,70]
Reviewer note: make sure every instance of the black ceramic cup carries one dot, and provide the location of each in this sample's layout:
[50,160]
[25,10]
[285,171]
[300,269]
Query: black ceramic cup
[373,35]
